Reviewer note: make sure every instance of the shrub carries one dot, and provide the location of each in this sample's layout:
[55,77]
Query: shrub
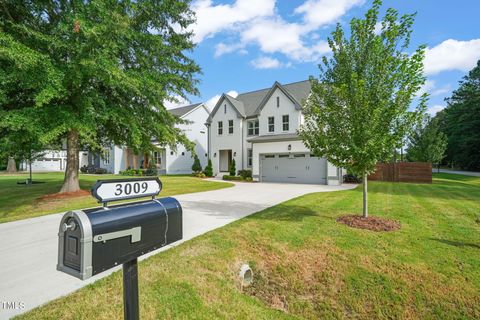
[199,175]
[209,169]
[196,167]
[233,168]
[245,173]
[84,169]
[128,172]
[232,178]
[151,170]
[249,179]
[100,171]
[350,178]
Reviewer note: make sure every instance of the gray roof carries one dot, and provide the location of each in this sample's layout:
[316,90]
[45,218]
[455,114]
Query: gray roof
[180,112]
[275,137]
[249,104]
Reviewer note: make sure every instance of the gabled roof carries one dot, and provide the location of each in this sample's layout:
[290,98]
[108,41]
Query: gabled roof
[237,106]
[182,111]
[250,104]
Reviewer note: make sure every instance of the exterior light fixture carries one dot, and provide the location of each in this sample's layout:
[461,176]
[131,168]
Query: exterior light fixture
[234,154]
[289,147]
[215,155]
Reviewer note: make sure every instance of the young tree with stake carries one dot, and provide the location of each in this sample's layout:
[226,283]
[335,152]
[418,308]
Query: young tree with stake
[97,72]
[359,107]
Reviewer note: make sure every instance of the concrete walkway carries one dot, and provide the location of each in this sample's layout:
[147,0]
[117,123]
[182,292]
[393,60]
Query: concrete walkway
[465,173]
[28,251]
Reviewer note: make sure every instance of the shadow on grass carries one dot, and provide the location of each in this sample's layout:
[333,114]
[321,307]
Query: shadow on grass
[284,212]
[458,244]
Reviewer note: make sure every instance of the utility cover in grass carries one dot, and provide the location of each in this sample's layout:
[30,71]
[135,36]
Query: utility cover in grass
[370,223]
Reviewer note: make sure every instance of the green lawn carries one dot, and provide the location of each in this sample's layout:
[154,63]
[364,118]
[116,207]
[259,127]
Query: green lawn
[307,265]
[23,201]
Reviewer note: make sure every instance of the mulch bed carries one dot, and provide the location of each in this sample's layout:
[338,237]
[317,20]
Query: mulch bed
[370,223]
[65,195]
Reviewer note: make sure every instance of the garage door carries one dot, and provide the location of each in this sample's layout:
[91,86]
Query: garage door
[293,168]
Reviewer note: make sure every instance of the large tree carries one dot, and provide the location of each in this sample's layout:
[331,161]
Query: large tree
[96,72]
[461,122]
[358,111]
[427,143]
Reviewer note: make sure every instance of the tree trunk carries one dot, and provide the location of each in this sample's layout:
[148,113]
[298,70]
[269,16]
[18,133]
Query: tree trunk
[11,166]
[71,183]
[365,197]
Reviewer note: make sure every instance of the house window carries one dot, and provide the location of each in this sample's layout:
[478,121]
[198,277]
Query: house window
[249,157]
[278,102]
[230,126]
[286,120]
[171,153]
[271,124]
[220,127]
[253,128]
[225,109]
[106,157]
[183,153]
[157,157]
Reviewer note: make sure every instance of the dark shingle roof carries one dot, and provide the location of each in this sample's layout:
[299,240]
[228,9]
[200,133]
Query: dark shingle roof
[180,112]
[252,100]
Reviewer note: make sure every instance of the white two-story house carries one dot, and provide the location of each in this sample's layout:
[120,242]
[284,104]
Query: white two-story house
[259,130]
[167,160]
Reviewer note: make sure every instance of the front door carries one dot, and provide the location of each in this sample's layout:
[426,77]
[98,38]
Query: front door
[225,160]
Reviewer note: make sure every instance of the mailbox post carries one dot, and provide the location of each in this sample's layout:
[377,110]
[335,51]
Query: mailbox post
[94,240]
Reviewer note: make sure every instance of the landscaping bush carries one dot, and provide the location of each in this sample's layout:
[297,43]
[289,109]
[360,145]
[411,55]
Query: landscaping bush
[350,178]
[196,167]
[84,169]
[209,169]
[232,178]
[199,175]
[245,173]
[100,171]
[233,168]
[151,170]
[129,172]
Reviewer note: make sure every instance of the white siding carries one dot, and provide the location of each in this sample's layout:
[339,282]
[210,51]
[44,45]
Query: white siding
[287,107]
[226,141]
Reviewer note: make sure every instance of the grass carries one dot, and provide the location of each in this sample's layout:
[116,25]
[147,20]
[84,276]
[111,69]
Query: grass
[306,265]
[23,201]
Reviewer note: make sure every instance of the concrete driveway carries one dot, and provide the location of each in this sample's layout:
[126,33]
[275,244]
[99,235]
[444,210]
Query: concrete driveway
[28,252]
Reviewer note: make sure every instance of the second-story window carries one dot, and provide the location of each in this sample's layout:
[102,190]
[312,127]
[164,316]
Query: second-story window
[220,127]
[271,124]
[253,128]
[230,126]
[286,122]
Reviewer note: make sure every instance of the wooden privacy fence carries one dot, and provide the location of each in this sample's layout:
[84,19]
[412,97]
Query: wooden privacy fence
[416,172]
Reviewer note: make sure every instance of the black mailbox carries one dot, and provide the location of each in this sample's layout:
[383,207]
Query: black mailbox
[94,240]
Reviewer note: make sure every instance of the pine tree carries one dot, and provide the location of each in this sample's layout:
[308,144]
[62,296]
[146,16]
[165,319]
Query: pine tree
[196,167]
[233,168]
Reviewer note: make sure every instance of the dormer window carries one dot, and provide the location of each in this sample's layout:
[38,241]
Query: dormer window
[278,102]
[252,128]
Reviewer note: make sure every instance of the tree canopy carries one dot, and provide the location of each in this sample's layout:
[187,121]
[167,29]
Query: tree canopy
[96,72]
[427,143]
[359,107]
[461,122]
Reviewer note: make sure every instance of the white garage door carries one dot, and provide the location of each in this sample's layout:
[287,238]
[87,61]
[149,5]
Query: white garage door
[293,168]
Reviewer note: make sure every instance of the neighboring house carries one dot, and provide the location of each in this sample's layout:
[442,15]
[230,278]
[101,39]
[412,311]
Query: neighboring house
[53,160]
[259,130]
[167,160]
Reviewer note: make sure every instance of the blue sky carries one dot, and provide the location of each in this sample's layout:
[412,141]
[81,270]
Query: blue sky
[246,45]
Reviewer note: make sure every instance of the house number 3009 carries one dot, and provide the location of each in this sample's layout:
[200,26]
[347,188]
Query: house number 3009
[128,188]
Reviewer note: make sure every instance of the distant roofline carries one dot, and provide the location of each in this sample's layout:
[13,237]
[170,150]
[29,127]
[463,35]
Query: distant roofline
[283,84]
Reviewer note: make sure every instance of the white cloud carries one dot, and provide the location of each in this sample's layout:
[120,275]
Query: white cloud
[434,109]
[215,18]
[266,63]
[431,88]
[180,102]
[452,55]
[317,13]
[210,103]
